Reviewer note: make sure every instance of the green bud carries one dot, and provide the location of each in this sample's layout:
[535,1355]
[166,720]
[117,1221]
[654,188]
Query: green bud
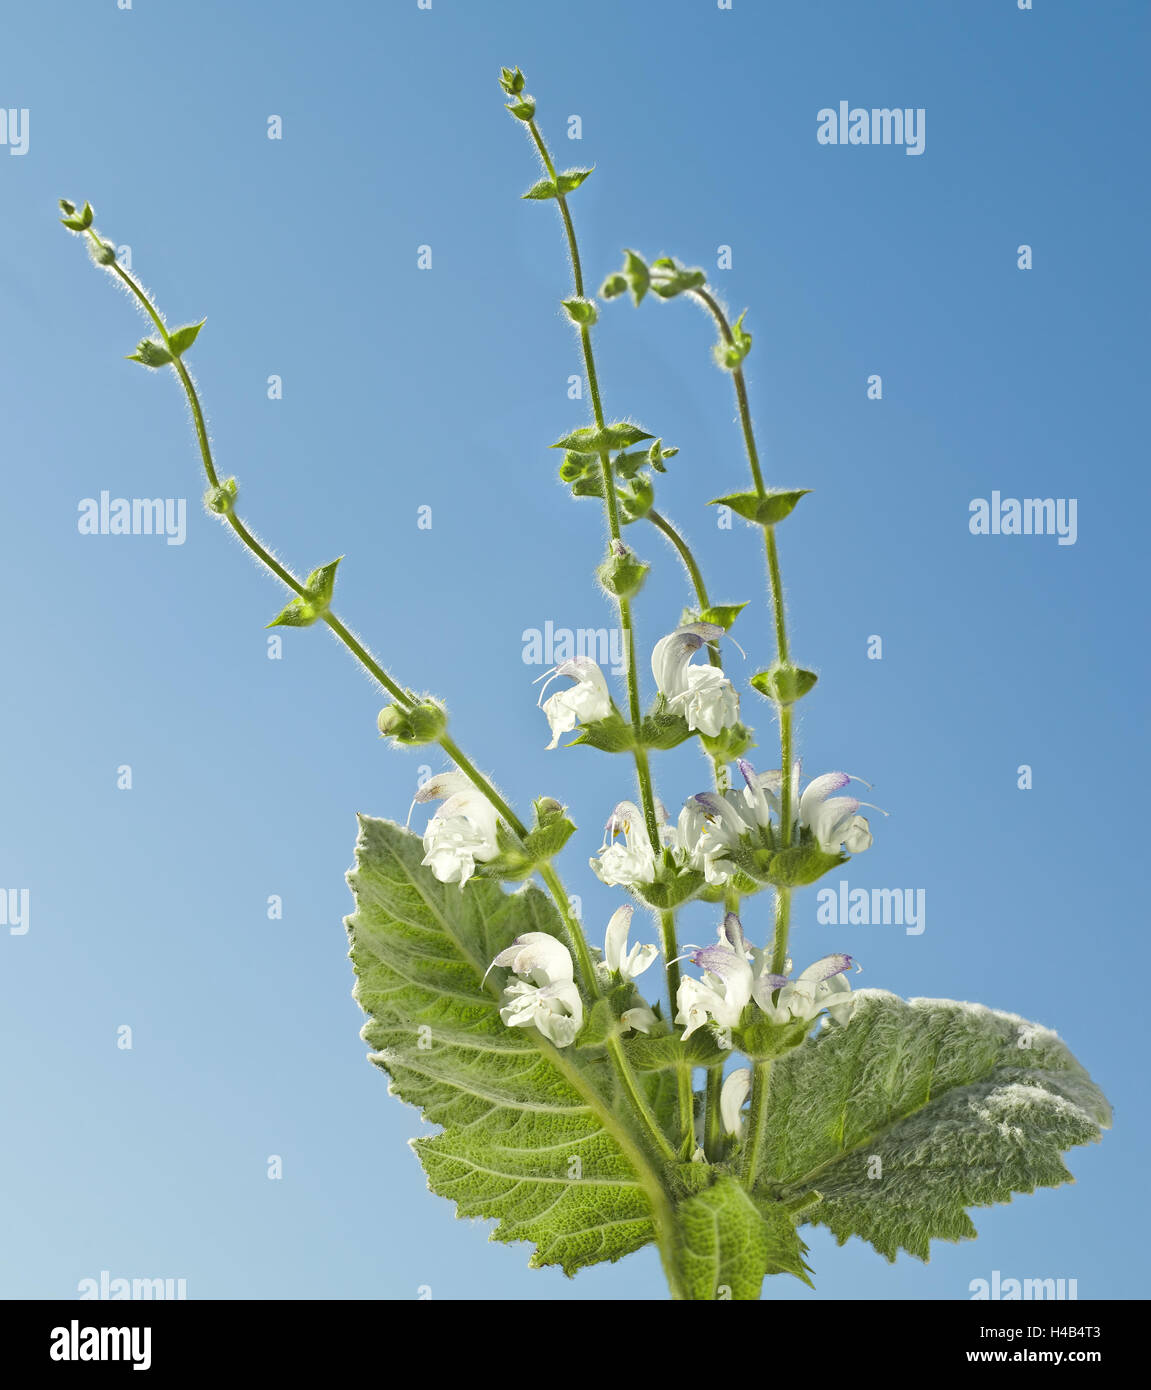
[524,109]
[577,465]
[613,287]
[512,81]
[731,355]
[784,683]
[581,311]
[623,572]
[305,610]
[102,252]
[657,453]
[637,499]
[423,722]
[222,499]
[73,220]
[150,353]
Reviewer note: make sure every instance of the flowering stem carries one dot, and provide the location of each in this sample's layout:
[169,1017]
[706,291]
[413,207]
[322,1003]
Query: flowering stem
[774,576]
[661,523]
[353,644]
[611,508]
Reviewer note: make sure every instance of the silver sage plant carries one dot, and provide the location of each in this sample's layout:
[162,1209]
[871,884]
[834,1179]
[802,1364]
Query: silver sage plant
[562,1079]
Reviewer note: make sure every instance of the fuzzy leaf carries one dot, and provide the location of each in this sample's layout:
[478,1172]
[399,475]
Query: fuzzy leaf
[590,440]
[515,1111]
[542,188]
[570,180]
[181,339]
[915,1110]
[729,1242]
[766,510]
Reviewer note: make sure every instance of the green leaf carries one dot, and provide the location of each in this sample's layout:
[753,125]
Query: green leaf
[570,179]
[590,440]
[729,1242]
[304,611]
[915,1110]
[612,734]
[637,276]
[613,287]
[671,278]
[524,109]
[181,339]
[516,1112]
[542,188]
[150,353]
[766,510]
[784,684]
[722,614]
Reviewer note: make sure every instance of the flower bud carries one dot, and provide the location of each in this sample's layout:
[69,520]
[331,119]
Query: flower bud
[423,722]
[222,499]
[623,572]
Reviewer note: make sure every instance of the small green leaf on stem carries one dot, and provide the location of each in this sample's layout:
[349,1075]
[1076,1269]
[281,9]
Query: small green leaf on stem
[590,440]
[570,180]
[304,611]
[181,339]
[524,109]
[731,355]
[581,311]
[766,510]
[784,683]
[542,188]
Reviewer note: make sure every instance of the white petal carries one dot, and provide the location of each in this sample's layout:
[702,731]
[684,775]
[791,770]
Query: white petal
[731,1098]
[615,938]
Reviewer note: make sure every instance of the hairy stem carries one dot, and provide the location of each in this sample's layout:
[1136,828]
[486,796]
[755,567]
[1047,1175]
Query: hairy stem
[611,510]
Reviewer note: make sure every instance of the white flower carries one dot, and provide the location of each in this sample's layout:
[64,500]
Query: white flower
[702,694]
[641,1019]
[631,862]
[617,958]
[462,833]
[582,703]
[732,1095]
[821,986]
[545,996]
[831,819]
[711,826]
[725,989]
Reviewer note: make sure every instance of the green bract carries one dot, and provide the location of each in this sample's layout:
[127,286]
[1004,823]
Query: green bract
[304,611]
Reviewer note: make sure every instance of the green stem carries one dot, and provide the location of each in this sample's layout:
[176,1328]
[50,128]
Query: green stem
[711,1133]
[756,1121]
[694,572]
[350,641]
[611,508]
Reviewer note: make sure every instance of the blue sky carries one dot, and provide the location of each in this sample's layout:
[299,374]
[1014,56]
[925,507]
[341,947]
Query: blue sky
[441,388]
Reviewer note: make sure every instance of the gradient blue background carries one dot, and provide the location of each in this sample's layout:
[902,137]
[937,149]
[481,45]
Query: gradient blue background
[405,388]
